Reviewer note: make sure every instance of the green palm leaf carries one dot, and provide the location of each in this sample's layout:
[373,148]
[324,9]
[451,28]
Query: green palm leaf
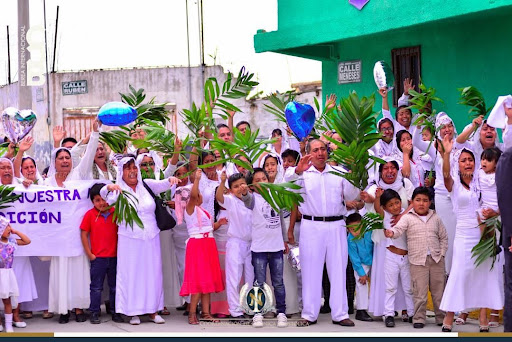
[487,247]
[280,196]
[369,222]
[125,209]
[7,196]
[471,97]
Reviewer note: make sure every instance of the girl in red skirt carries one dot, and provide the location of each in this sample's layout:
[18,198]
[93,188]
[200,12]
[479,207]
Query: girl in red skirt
[202,269]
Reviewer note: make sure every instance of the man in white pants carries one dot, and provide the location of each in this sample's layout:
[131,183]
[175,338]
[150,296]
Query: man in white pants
[323,233]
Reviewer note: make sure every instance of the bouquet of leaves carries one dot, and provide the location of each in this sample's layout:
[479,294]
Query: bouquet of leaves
[487,247]
[471,97]
[125,209]
[280,196]
[7,196]
[369,223]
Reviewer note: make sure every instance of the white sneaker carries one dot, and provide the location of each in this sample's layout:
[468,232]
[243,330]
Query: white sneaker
[158,319]
[19,324]
[135,320]
[282,321]
[257,321]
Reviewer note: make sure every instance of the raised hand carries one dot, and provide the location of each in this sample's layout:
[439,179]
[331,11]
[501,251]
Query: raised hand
[378,192]
[96,125]
[447,144]
[383,91]
[173,180]
[304,164]
[198,174]
[478,121]
[177,144]
[407,149]
[330,101]
[407,86]
[223,177]
[114,187]
[58,133]
[26,143]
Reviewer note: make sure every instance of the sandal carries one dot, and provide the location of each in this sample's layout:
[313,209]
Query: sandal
[27,314]
[165,312]
[494,324]
[47,315]
[205,316]
[305,323]
[192,318]
[460,321]
[484,328]
[446,328]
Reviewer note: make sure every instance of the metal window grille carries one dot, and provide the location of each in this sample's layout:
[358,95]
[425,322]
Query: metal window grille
[406,64]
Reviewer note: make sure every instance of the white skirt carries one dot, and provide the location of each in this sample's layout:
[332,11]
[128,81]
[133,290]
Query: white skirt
[171,281]
[378,283]
[41,271]
[444,208]
[25,278]
[70,279]
[8,285]
[139,288]
[469,286]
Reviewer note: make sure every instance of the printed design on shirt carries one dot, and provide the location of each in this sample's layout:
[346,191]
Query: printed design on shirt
[6,255]
[272,217]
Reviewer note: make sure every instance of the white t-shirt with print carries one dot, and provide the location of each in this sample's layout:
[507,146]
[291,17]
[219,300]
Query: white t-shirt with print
[266,227]
[239,217]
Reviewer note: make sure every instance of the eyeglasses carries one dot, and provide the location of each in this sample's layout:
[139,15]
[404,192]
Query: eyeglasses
[150,164]
[385,129]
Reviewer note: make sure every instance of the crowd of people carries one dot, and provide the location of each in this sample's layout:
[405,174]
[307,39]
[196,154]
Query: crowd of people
[433,198]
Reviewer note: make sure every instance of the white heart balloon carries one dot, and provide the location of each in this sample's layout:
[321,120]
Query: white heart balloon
[17,124]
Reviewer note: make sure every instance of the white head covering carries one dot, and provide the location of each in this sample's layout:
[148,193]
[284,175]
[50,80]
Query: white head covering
[455,173]
[497,118]
[156,159]
[3,159]
[4,222]
[443,119]
[52,169]
[397,184]
[39,178]
[280,169]
[120,180]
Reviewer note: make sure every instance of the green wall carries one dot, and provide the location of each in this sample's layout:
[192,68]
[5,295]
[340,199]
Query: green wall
[473,50]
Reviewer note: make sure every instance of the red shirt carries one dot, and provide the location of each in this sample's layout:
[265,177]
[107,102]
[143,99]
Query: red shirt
[102,232]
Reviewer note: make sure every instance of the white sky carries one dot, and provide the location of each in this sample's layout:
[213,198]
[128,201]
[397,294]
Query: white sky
[95,34]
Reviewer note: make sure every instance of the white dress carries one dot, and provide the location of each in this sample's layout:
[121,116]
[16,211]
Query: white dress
[8,283]
[207,189]
[469,286]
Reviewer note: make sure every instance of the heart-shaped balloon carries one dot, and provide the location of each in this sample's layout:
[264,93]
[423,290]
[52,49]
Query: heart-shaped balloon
[383,75]
[117,114]
[17,124]
[300,118]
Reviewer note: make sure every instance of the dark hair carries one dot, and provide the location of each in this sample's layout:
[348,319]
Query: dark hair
[68,139]
[388,195]
[250,175]
[142,148]
[95,190]
[203,156]
[28,158]
[388,121]
[399,138]
[243,123]
[310,141]
[353,218]
[270,156]
[221,125]
[394,162]
[291,153]
[45,170]
[422,190]
[465,150]
[234,177]
[400,107]
[491,154]
[181,164]
[277,131]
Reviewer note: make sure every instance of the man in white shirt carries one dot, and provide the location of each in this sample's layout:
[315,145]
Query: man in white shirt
[323,233]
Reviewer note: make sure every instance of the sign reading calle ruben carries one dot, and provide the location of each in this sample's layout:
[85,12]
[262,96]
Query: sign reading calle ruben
[349,72]
[74,87]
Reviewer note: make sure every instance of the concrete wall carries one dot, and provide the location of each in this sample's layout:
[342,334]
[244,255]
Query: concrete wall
[166,84]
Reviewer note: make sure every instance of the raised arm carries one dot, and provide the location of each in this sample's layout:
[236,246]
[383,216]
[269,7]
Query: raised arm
[385,104]
[24,146]
[159,186]
[448,180]
[219,195]
[84,168]
[194,193]
[110,193]
[406,167]
[423,145]
[23,240]
[464,136]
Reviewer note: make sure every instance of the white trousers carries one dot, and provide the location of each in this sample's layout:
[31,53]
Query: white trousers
[444,209]
[362,291]
[397,267]
[238,264]
[323,242]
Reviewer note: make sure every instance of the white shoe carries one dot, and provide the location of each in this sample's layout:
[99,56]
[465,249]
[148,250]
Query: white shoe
[158,319]
[1,327]
[19,324]
[257,321]
[135,320]
[282,321]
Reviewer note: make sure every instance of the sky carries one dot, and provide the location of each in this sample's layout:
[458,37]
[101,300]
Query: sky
[100,34]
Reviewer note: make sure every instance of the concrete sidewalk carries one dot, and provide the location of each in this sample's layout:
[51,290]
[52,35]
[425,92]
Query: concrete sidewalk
[176,323]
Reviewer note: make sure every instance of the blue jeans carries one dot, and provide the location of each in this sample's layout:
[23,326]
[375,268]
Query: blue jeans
[101,267]
[275,262]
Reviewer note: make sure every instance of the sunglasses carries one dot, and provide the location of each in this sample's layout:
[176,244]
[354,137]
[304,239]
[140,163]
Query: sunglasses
[150,164]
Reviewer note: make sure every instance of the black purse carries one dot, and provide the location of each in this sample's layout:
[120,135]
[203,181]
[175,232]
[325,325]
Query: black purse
[164,219]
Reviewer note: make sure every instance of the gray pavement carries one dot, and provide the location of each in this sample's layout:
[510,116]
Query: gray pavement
[177,324]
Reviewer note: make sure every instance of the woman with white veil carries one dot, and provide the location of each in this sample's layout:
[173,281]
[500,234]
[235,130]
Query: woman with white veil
[70,276]
[139,288]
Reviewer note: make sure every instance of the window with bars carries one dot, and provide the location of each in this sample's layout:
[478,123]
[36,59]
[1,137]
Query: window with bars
[406,64]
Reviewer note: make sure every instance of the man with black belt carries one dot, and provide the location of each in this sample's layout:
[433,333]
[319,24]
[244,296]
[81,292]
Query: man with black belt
[323,233]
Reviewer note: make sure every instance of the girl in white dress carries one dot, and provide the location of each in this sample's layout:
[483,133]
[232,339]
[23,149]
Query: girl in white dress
[410,156]
[468,286]
[8,285]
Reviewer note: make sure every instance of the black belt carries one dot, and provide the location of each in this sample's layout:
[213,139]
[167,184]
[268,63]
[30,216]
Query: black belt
[323,219]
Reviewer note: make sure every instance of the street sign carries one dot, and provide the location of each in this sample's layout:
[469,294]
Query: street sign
[74,87]
[349,72]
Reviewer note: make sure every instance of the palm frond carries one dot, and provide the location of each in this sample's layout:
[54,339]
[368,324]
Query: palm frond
[369,222]
[471,97]
[125,209]
[116,139]
[487,247]
[278,104]
[280,196]
[7,196]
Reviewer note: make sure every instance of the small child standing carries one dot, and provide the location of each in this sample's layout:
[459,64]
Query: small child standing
[427,243]
[396,266]
[267,248]
[8,283]
[99,238]
[361,255]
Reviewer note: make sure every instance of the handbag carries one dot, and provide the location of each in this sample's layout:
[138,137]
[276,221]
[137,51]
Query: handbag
[164,219]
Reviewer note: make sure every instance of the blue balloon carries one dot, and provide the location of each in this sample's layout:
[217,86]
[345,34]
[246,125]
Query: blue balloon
[117,114]
[300,118]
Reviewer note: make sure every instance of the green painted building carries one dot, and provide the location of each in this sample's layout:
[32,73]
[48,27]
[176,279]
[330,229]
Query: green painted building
[448,43]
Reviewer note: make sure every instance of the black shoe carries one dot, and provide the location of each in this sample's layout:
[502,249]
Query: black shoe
[183,307]
[418,325]
[390,321]
[362,315]
[117,318]
[325,309]
[63,319]
[80,318]
[95,318]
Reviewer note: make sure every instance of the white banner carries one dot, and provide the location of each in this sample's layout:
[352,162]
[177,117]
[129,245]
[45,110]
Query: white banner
[51,218]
